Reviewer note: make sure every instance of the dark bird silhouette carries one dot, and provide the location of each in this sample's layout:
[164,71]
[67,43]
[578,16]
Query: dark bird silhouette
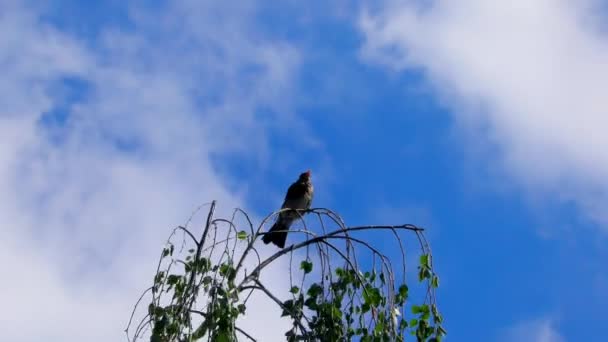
[298,197]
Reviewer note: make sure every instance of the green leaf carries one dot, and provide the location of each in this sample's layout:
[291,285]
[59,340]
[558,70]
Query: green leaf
[315,290]
[403,290]
[311,303]
[227,271]
[288,308]
[201,330]
[372,296]
[435,282]
[173,328]
[424,260]
[159,277]
[222,337]
[306,266]
[294,290]
[168,250]
[335,311]
[159,311]
[242,235]
[441,331]
[379,327]
[423,273]
[151,309]
[436,315]
[173,279]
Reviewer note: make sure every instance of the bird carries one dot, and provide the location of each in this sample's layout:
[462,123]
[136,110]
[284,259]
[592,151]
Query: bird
[299,197]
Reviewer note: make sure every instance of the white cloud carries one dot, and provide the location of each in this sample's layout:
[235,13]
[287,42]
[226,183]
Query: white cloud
[529,76]
[541,330]
[84,216]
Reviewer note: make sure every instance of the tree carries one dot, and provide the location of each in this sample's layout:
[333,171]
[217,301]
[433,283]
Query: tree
[347,288]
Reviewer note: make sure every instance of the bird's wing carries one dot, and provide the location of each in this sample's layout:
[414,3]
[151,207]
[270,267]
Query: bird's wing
[296,190]
[295,197]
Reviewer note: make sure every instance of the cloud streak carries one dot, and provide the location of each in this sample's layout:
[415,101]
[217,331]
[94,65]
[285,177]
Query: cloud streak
[91,182]
[541,330]
[524,77]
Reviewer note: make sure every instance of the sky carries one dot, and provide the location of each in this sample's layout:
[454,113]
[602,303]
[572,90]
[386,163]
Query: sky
[482,122]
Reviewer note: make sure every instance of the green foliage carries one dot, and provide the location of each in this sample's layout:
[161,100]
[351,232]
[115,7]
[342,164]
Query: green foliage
[199,295]
[306,266]
[173,322]
[355,306]
[242,235]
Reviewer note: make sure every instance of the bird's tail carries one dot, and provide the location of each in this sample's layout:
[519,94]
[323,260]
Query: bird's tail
[275,235]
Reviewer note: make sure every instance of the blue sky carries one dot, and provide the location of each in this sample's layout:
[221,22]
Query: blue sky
[481,122]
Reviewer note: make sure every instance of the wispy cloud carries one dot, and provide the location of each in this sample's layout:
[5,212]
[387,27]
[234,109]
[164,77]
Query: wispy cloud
[90,184]
[541,330]
[524,77]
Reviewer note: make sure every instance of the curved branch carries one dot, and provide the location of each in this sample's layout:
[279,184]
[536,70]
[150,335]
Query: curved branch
[221,244]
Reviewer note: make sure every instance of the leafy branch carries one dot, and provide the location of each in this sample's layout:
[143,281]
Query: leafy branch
[347,288]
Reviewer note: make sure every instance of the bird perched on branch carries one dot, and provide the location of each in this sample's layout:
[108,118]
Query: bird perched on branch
[298,197]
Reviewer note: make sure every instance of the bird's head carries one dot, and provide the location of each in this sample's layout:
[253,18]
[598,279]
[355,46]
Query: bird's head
[305,176]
